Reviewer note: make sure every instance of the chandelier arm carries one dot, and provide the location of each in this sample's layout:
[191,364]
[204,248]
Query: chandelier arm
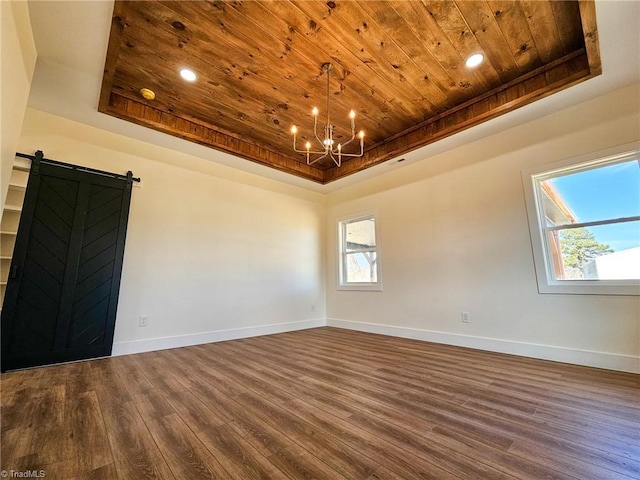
[315,134]
[298,151]
[353,136]
[338,162]
[351,154]
[317,159]
[330,154]
[354,154]
[295,149]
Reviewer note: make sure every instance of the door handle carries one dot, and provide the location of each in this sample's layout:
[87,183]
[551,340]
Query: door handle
[14,271]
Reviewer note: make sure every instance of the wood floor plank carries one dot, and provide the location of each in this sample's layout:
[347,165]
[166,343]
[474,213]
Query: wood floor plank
[17,409]
[16,443]
[195,370]
[183,451]
[282,378]
[107,472]
[152,405]
[321,403]
[236,455]
[61,470]
[134,449]
[48,440]
[296,462]
[14,382]
[441,455]
[79,381]
[384,474]
[260,435]
[340,457]
[83,425]
[193,412]
[609,426]
[131,368]
[360,403]
[110,385]
[562,439]
[388,455]
[567,464]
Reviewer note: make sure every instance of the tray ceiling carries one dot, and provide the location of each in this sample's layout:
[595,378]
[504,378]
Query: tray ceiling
[398,64]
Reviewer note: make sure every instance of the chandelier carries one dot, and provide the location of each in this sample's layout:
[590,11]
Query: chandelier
[327,144]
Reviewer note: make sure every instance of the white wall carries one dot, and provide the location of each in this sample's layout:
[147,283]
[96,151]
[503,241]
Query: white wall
[17,64]
[207,258]
[454,236]
[214,253]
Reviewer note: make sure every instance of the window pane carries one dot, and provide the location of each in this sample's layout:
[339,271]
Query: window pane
[605,192]
[603,252]
[360,234]
[361,267]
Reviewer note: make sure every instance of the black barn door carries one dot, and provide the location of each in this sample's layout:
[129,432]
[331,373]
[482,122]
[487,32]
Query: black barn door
[62,294]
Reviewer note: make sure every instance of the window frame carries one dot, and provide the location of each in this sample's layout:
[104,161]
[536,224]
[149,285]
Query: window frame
[538,229]
[342,284]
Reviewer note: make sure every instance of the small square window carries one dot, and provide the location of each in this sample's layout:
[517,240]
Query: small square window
[584,218]
[359,267]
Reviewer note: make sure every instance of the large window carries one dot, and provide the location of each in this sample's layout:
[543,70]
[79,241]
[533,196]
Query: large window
[584,217]
[359,267]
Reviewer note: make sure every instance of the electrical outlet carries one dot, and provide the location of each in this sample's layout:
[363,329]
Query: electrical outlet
[465,317]
[143,321]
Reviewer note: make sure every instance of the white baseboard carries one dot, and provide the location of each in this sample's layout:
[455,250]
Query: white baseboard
[163,343]
[610,361]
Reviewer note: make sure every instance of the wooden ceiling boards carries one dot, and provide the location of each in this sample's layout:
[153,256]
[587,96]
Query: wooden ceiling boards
[399,64]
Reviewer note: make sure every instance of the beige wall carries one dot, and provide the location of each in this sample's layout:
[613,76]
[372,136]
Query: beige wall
[16,72]
[214,253]
[206,258]
[454,236]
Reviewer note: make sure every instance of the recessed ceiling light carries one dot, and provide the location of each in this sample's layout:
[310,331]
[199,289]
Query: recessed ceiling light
[187,74]
[474,60]
[147,94]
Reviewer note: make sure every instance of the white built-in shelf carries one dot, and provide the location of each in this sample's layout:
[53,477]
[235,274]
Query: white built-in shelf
[21,164]
[15,197]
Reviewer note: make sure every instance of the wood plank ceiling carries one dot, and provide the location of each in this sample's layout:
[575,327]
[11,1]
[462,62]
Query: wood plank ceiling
[399,64]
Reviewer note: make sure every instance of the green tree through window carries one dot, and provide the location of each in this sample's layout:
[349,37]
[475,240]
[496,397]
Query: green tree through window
[579,247]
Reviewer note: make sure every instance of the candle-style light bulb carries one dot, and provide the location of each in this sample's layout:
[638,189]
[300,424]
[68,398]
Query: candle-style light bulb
[314,112]
[361,134]
[294,129]
[308,145]
[352,114]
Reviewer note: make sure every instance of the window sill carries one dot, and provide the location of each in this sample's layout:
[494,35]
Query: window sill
[590,287]
[364,287]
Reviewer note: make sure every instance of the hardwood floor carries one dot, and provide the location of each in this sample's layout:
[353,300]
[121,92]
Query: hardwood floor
[322,403]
